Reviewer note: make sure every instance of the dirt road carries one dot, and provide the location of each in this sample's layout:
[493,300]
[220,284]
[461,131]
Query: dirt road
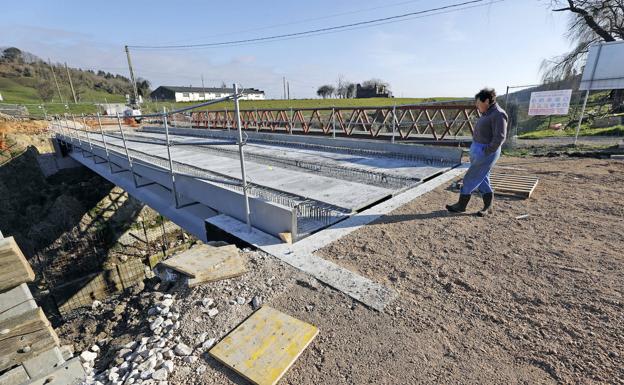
[494,300]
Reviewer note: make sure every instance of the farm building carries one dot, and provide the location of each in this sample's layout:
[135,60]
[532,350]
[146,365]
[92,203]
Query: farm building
[376,91]
[193,94]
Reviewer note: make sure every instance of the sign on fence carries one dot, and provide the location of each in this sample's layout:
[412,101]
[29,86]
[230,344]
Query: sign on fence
[550,102]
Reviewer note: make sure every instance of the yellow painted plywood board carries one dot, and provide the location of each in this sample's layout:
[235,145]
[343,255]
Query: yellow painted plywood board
[264,346]
[200,258]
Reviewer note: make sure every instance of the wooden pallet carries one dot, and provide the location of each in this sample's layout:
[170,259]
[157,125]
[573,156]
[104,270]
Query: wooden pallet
[519,185]
[522,185]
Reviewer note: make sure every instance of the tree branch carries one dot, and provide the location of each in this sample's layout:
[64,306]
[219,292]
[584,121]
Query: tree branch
[589,19]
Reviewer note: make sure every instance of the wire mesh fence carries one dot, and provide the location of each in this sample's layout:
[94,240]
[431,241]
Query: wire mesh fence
[95,263]
[598,119]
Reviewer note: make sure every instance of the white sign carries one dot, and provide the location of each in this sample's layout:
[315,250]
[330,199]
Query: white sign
[604,69]
[550,102]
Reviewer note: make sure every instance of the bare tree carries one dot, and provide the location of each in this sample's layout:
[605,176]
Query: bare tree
[325,91]
[591,21]
[45,90]
[344,88]
[374,82]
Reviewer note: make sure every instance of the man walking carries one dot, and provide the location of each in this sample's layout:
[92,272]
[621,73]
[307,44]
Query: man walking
[487,138]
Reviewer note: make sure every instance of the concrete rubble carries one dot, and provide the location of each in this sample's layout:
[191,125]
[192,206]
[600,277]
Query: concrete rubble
[149,360]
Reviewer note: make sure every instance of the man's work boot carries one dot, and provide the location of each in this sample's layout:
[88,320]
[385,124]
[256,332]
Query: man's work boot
[460,206]
[487,204]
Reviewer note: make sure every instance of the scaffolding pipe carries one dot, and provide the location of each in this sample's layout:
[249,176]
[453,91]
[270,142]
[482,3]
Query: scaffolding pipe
[123,138]
[173,183]
[84,122]
[104,141]
[242,156]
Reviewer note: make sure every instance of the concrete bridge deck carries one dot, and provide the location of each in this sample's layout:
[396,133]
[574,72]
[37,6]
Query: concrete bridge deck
[300,184]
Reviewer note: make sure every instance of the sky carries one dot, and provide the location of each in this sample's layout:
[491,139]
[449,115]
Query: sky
[449,54]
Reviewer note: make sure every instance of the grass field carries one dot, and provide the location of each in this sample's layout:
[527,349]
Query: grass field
[23,91]
[301,103]
[585,131]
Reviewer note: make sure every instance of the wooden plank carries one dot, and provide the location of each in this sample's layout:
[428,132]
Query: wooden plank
[510,180]
[25,336]
[16,301]
[503,190]
[69,373]
[512,183]
[513,177]
[233,267]
[200,258]
[44,362]
[265,346]
[14,268]
[15,376]
[511,187]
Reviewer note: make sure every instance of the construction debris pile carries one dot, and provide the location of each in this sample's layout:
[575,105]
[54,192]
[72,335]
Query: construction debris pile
[150,357]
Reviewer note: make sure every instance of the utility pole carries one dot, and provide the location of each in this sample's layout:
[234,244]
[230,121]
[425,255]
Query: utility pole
[58,89]
[71,85]
[284,84]
[134,85]
[288,89]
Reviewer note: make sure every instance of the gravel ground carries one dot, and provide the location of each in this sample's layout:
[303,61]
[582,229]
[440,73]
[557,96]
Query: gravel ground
[482,300]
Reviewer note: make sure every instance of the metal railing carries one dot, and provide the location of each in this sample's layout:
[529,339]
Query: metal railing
[435,121]
[77,135]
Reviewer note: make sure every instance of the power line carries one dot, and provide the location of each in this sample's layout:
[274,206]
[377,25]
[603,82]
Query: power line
[383,20]
[298,22]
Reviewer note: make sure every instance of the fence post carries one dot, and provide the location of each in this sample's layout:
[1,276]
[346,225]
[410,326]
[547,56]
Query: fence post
[173,183]
[123,138]
[292,120]
[334,122]
[227,119]
[394,121]
[242,156]
[578,126]
[104,141]
[257,120]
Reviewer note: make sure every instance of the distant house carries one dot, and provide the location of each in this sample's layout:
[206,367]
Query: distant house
[198,94]
[376,91]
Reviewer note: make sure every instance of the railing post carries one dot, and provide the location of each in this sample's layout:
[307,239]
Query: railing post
[104,141]
[334,122]
[123,138]
[66,128]
[394,121]
[242,156]
[76,130]
[292,121]
[257,120]
[171,173]
[227,119]
[84,123]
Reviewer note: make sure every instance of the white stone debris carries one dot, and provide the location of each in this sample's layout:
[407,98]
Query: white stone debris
[183,350]
[208,343]
[88,356]
[256,302]
[145,361]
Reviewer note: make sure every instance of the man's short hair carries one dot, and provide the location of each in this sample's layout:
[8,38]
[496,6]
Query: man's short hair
[486,94]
